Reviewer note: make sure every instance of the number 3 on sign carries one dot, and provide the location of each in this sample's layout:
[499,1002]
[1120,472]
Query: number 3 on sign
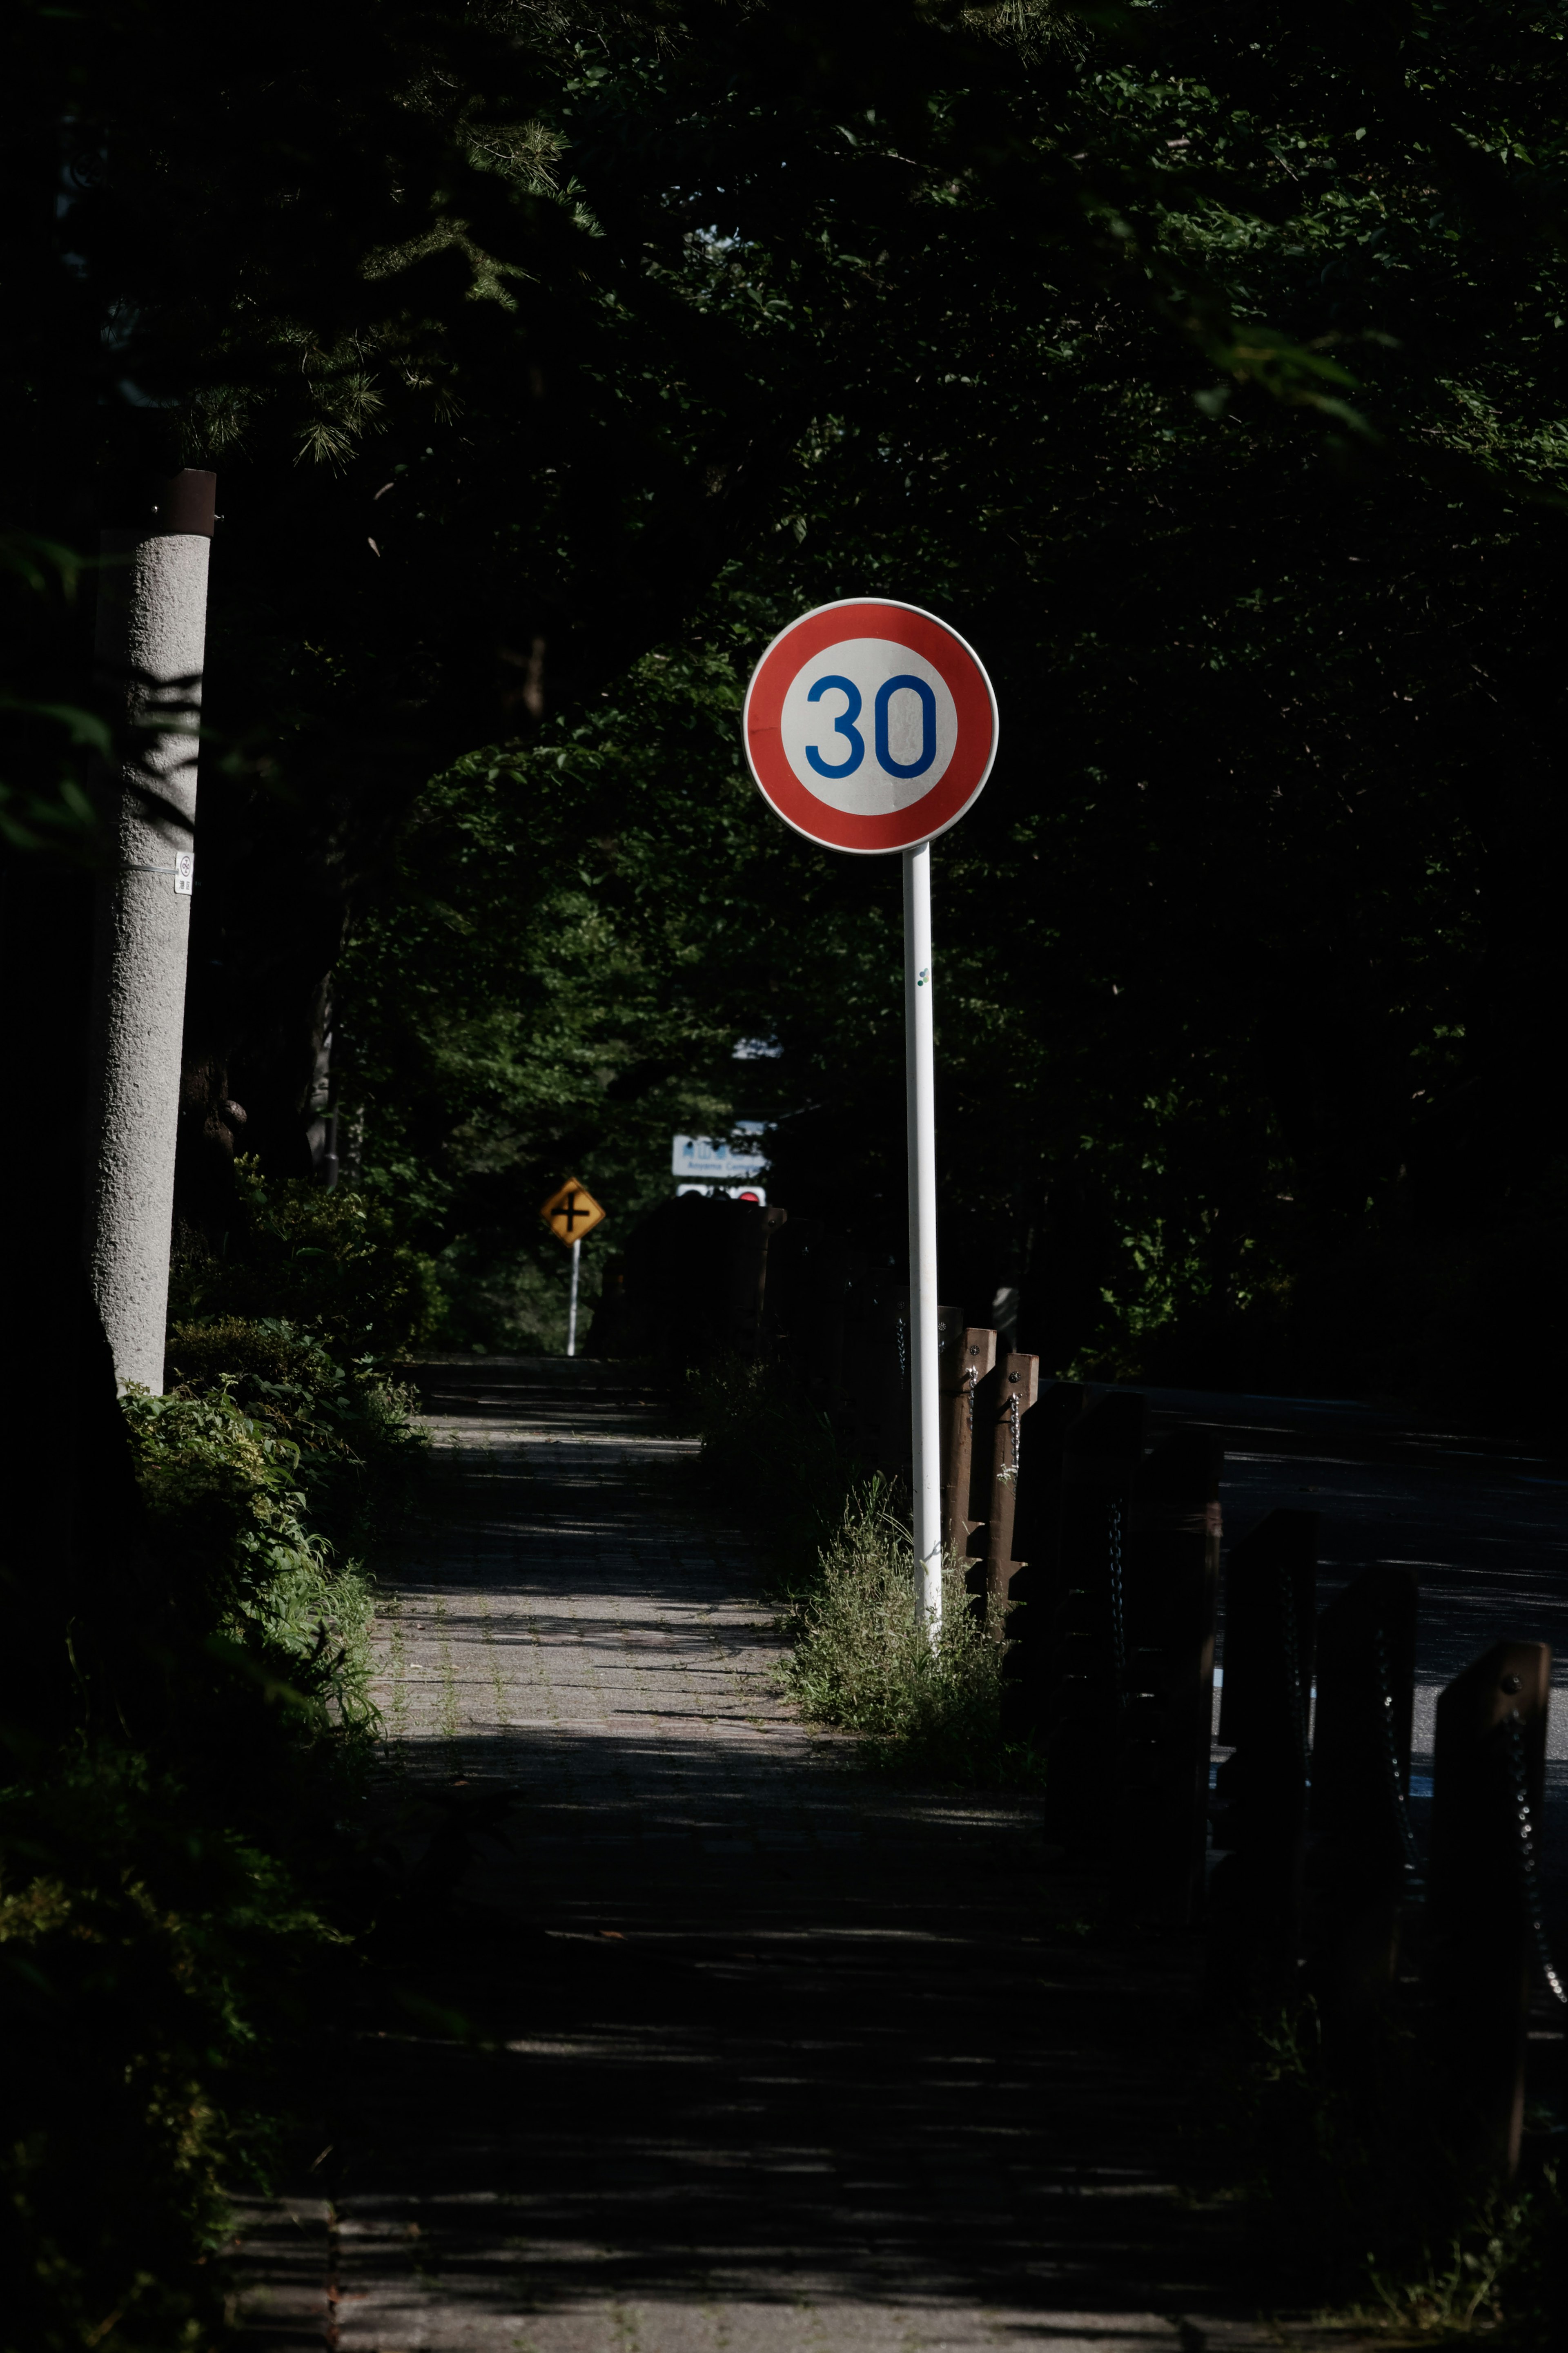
[844,725]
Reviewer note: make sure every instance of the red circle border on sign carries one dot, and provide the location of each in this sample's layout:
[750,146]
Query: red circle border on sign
[905,625]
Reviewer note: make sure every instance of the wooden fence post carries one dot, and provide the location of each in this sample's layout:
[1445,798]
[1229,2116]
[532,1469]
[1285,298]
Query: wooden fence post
[968,1354]
[804,1301]
[1002,1401]
[1362,1863]
[1173,1585]
[1089,1636]
[1037,1543]
[1260,1812]
[1483,1895]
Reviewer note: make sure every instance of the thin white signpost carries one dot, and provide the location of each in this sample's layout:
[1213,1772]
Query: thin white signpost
[870,727]
[572,1310]
[571,1206]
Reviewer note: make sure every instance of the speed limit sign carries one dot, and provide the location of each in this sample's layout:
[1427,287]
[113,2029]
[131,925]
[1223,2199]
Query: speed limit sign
[870,727]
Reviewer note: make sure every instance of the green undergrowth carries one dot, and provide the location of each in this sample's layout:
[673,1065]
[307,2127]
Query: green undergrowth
[328,1260]
[183,1886]
[777,1459]
[158,1967]
[841,1560]
[228,1519]
[1340,2147]
[358,1452]
[862,1657]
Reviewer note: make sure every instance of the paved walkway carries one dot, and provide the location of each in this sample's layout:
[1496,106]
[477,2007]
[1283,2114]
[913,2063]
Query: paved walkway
[774,2057]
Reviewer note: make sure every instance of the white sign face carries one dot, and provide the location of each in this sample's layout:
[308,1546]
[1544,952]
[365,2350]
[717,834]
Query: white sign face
[869,726]
[753,1193]
[709,1159]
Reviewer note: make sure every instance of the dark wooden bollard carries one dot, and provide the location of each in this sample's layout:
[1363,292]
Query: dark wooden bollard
[968,1353]
[806,1297]
[1003,1400]
[1260,1802]
[1172,1584]
[1483,1895]
[1363,1864]
[1089,1634]
[1036,1544]
[748,1275]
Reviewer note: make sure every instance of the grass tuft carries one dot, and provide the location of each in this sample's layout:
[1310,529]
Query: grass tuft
[863,1656]
[842,1563]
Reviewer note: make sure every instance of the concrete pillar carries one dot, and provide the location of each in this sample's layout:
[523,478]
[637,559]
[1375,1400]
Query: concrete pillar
[151,633]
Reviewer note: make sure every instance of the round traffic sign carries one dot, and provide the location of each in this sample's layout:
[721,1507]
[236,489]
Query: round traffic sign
[870,726]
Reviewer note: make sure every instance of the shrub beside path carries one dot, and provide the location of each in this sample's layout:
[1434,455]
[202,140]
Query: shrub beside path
[769,2055]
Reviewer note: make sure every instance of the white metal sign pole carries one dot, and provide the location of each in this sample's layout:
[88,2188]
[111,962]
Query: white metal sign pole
[920,1061]
[572,1310]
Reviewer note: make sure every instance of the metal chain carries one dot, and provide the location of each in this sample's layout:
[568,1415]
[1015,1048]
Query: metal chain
[1008,1474]
[972,1377]
[903,1348]
[1118,1598]
[1529,1864]
[1390,1755]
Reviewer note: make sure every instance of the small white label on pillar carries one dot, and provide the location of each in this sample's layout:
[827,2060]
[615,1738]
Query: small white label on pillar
[185,874]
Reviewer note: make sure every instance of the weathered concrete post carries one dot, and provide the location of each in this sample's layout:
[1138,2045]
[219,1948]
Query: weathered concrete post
[151,633]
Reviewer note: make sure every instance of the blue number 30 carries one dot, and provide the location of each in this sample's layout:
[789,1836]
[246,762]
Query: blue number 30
[845,725]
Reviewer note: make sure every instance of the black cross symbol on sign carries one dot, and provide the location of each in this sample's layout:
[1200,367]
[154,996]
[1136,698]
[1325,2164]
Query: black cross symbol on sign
[571,1205]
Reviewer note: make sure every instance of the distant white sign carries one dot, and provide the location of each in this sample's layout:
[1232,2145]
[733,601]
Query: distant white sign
[715,1160]
[732,1192]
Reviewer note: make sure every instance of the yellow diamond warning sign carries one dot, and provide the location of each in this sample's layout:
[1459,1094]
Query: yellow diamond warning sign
[571,1212]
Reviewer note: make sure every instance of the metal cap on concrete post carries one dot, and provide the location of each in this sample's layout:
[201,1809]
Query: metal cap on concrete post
[150,643]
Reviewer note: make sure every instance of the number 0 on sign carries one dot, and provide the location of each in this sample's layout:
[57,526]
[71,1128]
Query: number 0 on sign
[870,727]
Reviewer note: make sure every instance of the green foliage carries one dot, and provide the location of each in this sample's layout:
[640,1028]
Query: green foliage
[1170,358]
[149,1959]
[171,1873]
[44,800]
[537,997]
[843,1564]
[863,1657]
[1203,365]
[358,1451]
[777,1458]
[226,1510]
[328,1259]
[1356,2195]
